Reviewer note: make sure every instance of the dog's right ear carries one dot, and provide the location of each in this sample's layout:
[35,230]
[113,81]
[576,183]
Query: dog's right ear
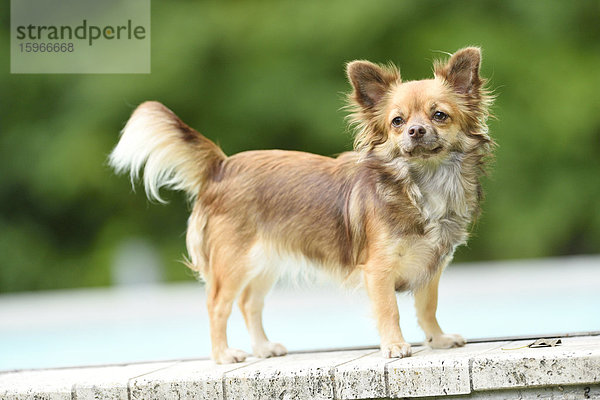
[370,82]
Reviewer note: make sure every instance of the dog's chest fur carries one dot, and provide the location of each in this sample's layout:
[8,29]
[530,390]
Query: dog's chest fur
[445,199]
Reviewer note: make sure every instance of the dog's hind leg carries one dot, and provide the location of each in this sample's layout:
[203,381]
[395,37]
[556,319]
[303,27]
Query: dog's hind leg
[228,276]
[251,304]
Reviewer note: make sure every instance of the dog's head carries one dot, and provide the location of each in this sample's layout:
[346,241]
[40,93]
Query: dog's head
[418,120]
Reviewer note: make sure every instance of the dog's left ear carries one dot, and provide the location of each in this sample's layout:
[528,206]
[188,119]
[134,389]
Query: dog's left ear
[370,82]
[462,71]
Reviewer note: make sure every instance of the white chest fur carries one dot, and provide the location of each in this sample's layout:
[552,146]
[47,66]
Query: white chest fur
[443,198]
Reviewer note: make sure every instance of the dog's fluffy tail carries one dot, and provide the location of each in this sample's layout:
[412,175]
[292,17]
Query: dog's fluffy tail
[172,154]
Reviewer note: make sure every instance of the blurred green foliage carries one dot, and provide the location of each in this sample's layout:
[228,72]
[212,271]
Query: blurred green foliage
[270,74]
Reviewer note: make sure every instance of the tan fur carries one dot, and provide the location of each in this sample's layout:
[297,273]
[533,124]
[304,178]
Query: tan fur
[389,214]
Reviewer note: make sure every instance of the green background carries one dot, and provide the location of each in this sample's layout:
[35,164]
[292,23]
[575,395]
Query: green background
[254,75]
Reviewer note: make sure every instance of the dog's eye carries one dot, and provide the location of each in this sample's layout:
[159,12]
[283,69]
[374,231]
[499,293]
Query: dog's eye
[396,122]
[440,116]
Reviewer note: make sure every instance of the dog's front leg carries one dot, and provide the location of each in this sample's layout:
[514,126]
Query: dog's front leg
[426,299]
[380,286]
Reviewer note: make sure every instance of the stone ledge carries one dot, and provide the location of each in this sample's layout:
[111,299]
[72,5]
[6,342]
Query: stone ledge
[488,370]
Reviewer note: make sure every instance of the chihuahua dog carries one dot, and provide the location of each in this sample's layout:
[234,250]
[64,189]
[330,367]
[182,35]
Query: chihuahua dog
[387,215]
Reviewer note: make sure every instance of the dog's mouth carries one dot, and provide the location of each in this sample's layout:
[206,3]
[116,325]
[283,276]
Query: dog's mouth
[425,151]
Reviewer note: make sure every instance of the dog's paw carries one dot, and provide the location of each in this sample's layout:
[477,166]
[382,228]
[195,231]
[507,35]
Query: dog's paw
[446,341]
[269,349]
[396,350]
[229,356]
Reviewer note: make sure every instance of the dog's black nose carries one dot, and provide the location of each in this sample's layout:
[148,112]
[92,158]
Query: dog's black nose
[416,131]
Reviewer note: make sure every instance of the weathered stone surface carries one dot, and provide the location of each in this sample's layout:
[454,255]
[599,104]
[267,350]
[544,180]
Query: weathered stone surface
[538,393]
[202,379]
[43,385]
[576,361]
[491,371]
[364,378]
[110,383]
[295,376]
[434,372]
[83,383]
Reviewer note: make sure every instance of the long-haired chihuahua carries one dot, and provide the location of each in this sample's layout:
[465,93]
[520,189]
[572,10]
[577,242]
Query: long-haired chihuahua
[387,215]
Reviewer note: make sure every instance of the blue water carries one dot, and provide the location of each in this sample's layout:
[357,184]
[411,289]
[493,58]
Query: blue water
[148,323]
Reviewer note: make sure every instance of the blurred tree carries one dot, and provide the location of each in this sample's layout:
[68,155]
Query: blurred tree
[270,74]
